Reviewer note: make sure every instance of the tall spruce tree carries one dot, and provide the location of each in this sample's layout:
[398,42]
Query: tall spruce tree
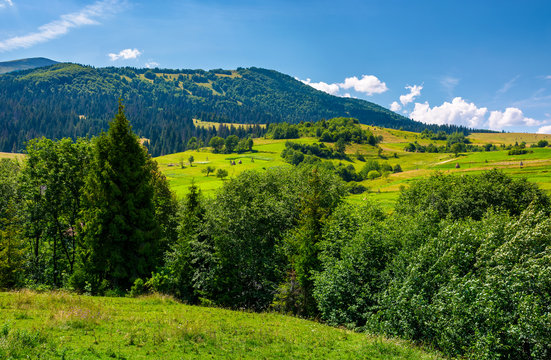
[122,236]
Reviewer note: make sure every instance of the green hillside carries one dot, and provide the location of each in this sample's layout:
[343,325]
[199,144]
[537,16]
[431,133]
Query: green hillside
[65,326]
[385,190]
[70,100]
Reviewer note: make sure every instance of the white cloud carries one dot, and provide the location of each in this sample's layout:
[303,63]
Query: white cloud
[548,77]
[395,106]
[545,130]
[461,112]
[458,112]
[87,16]
[414,91]
[368,84]
[510,117]
[151,65]
[5,3]
[125,54]
[332,89]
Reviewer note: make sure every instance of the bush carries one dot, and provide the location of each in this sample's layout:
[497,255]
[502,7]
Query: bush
[150,75]
[373,174]
[355,188]
[517,151]
[470,195]
[355,251]
[478,289]
[137,289]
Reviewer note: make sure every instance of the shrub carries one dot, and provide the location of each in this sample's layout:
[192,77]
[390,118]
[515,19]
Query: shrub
[137,289]
[373,174]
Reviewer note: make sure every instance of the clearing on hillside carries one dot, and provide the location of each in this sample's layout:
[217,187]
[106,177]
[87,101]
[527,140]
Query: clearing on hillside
[67,326]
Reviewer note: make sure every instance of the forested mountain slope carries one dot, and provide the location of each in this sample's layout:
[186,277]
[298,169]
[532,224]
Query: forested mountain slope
[74,100]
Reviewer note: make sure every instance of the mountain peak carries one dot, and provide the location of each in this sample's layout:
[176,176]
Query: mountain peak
[25,64]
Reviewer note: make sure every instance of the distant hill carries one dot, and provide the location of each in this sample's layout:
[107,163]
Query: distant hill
[25,64]
[74,100]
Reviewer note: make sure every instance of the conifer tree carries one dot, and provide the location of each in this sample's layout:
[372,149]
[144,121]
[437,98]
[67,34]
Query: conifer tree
[119,225]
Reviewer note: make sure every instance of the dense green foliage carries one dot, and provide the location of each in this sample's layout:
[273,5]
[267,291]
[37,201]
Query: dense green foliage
[462,264]
[238,248]
[455,143]
[346,130]
[121,235]
[92,216]
[11,236]
[69,100]
[470,196]
[294,152]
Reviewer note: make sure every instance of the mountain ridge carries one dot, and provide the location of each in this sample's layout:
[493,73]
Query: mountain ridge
[72,100]
[25,64]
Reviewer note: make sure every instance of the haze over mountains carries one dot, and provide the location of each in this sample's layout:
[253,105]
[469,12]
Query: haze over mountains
[71,100]
[25,64]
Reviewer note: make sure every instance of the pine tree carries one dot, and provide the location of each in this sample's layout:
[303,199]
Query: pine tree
[122,237]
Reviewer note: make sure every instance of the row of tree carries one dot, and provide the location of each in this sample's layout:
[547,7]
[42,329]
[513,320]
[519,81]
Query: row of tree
[338,130]
[231,144]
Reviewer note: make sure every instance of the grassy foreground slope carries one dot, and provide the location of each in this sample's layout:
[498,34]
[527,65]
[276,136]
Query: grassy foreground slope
[68,326]
[536,166]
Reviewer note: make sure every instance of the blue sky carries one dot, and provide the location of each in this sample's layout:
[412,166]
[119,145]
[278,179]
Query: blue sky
[483,64]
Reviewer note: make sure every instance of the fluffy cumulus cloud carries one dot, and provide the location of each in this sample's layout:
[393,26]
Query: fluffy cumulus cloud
[395,106]
[545,130]
[510,117]
[461,112]
[458,112]
[5,3]
[89,15]
[368,84]
[332,89]
[125,54]
[414,91]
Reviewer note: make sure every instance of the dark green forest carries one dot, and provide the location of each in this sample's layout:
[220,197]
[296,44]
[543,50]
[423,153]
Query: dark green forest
[70,100]
[461,264]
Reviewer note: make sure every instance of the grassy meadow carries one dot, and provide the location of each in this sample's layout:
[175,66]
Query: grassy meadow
[60,325]
[536,166]
[4,155]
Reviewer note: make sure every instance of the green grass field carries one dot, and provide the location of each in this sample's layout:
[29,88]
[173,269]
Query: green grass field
[536,167]
[59,325]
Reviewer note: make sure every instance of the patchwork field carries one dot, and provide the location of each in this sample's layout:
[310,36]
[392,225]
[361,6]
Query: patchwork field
[536,166]
[59,325]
